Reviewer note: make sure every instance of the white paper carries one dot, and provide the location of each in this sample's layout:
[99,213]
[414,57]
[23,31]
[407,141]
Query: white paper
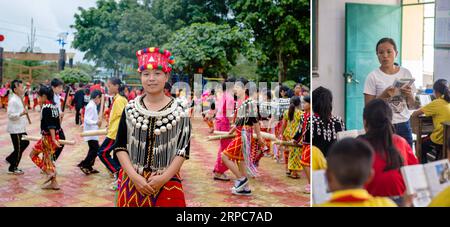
[438,175]
[320,187]
[416,183]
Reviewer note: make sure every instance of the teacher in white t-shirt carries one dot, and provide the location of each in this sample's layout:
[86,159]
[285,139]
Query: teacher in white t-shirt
[379,84]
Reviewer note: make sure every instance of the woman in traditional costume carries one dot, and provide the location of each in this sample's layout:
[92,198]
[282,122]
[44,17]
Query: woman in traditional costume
[47,145]
[153,139]
[291,122]
[237,156]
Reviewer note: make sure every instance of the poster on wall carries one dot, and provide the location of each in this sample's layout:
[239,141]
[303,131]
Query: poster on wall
[442,26]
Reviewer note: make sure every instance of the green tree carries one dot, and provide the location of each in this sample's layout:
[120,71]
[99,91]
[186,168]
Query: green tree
[97,33]
[73,75]
[215,48]
[281,31]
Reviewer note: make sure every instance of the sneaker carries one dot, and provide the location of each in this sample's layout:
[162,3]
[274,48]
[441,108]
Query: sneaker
[16,172]
[244,191]
[240,184]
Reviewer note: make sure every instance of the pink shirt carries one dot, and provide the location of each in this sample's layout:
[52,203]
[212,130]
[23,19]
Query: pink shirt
[225,106]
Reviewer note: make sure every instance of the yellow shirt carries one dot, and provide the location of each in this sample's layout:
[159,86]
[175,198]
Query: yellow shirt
[118,106]
[356,198]
[439,110]
[442,199]
[318,161]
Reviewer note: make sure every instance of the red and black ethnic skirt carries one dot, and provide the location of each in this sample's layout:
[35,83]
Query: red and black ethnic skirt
[47,148]
[170,195]
[234,149]
[306,155]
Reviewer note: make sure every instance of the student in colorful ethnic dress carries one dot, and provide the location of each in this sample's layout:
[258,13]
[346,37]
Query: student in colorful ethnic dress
[291,121]
[237,155]
[153,140]
[44,150]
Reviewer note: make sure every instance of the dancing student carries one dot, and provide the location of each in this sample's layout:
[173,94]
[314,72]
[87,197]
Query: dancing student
[153,140]
[44,150]
[237,155]
[225,108]
[303,137]
[379,84]
[291,122]
[391,152]
[78,102]
[265,118]
[282,103]
[27,94]
[324,125]
[210,112]
[57,88]
[16,127]
[4,93]
[35,98]
[115,90]
[91,122]
[439,110]
[349,168]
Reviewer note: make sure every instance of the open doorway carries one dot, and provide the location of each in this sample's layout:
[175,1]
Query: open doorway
[418,17]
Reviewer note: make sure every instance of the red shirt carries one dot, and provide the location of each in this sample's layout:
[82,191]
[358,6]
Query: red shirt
[96,87]
[390,183]
[131,96]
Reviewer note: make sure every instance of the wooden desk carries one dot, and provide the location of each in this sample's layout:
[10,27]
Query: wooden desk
[421,126]
[446,146]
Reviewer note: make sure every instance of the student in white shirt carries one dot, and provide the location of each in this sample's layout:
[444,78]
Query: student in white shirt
[91,122]
[16,127]
[379,85]
[57,87]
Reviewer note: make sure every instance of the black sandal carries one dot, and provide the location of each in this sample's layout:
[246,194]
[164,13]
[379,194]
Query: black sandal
[85,170]
[51,177]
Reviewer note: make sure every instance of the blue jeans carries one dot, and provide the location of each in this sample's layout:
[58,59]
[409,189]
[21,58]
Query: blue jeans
[404,130]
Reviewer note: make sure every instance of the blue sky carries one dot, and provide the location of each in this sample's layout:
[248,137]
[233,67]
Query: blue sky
[51,17]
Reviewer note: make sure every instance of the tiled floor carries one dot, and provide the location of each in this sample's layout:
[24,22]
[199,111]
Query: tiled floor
[271,188]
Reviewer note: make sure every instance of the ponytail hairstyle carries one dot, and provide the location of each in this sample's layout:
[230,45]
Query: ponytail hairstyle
[378,117]
[295,102]
[117,81]
[441,87]
[47,91]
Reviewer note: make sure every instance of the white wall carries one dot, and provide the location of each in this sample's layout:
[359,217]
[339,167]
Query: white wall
[442,64]
[331,45]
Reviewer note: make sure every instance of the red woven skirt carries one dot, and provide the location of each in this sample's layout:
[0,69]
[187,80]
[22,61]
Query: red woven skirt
[170,195]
